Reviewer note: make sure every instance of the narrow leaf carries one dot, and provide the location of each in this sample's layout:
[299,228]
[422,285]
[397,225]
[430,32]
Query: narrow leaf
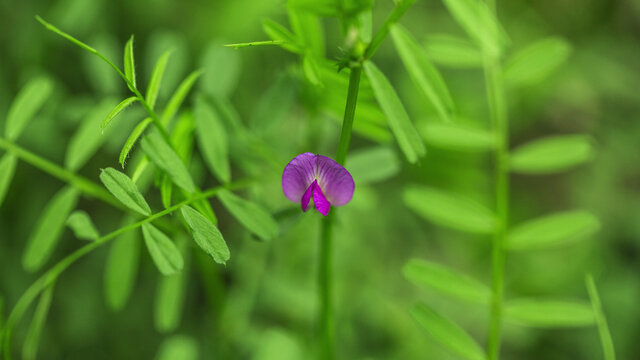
[456,136]
[178,97]
[178,347]
[166,190]
[125,190]
[32,339]
[447,333]
[424,75]
[82,226]
[121,269]
[170,293]
[446,281]
[54,29]
[26,104]
[453,52]
[601,321]
[7,169]
[373,164]
[397,117]
[163,251]
[129,64]
[131,140]
[255,43]
[206,235]
[549,313]
[161,154]
[449,210]
[252,216]
[156,78]
[310,69]
[117,110]
[552,154]
[212,139]
[552,230]
[537,61]
[282,35]
[48,229]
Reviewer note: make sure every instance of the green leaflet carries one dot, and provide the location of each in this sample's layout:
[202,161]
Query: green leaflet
[551,154]
[549,313]
[252,216]
[131,140]
[278,344]
[449,210]
[282,35]
[178,347]
[254,43]
[310,69]
[170,294]
[129,64]
[308,28]
[552,230]
[26,104]
[156,78]
[423,74]
[48,229]
[397,118]
[7,169]
[452,51]
[537,61]
[117,110]
[32,339]
[447,281]
[373,164]
[206,235]
[601,321]
[161,154]
[121,269]
[82,226]
[447,333]
[125,190]
[178,97]
[212,140]
[163,251]
[456,136]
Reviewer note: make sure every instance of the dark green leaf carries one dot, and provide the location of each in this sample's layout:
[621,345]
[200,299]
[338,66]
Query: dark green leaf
[125,190]
[449,210]
[170,293]
[212,139]
[129,64]
[373,164]
[536,62]
[163,251]
[26,104]
[7,169]
[250,215]
[397,118]
[452,51]
[48,229]
[456,136]
[161,154]
[117,110]
[552,154]
[549,313]
[552,230]
[131,140]
[206,235]
[156,78]
[121,269]
[82,226]
[32,339]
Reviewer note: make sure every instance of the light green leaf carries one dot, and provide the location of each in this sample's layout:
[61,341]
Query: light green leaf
[478,21]
[26,104]
[452,51]
[82,226]
[206,235]
[447,333]
[252,216]
[254,43]
[156,78]
[178,97]
[601,321]
[32,339]
[129,64]
[397,118]
[131,140]
[310,68]
[548,313]
[121,269]
[423,74]
[457,136]
[48,229]
[373,164]
[552,230]
[212,139]
[551,154]
[308,27]
[125,190]
[449,210]
[166,190]
[117,110]
[178,347]
[282,35]
[7,169]
[170,293]
[446,281]
[163,251]
[161,154]
[537,61]
[222,69]
[274,343]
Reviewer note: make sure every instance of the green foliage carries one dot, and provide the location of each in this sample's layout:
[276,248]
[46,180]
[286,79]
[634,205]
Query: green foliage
[131,140]
[252,216]
[7,169]
[26,104]
[178,97]
[129,64]
[373,164]
[32,339]
[125,190]
[212,138]
[82,226]
[164,157]
[551,154]
[206,235]
[457,136]
[452,51]
[170,294]
[601,321]
[117,110]
[549,313]
[178,347]
[163,251]
[121,269]
[156,79]
[537,61]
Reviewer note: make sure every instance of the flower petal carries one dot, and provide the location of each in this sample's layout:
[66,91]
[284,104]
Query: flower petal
[321,203]
[306,197]
[298,176]
[335,181]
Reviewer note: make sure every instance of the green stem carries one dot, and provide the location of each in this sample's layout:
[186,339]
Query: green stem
[401,7]
[603,328]
[52,274]
[349,115]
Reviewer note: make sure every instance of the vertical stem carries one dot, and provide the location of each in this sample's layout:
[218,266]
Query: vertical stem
[326,321]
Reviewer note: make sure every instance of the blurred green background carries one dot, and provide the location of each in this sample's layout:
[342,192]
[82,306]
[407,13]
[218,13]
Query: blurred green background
[262,305]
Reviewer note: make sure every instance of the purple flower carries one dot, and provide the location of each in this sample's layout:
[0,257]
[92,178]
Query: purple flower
[310,176]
